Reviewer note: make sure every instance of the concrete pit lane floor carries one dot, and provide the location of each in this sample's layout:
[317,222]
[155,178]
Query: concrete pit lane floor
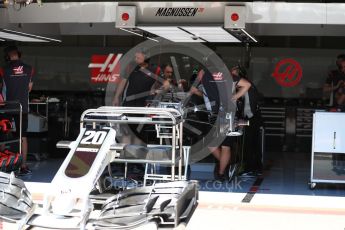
[279,199]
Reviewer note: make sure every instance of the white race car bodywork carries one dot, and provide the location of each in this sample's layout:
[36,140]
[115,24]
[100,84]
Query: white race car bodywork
[69,188]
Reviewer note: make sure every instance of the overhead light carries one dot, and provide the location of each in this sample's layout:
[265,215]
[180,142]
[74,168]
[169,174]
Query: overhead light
[32,35]
[172,33]
[20,38]
[211,33]
[141,35]
[251,37]
[192,33]
[242,35]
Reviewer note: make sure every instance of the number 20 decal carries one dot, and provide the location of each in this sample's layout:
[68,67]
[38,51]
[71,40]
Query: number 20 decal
[93,137]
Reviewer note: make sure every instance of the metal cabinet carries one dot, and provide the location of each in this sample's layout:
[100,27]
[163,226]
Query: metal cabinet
[328,148]
[274,121]
[304,122]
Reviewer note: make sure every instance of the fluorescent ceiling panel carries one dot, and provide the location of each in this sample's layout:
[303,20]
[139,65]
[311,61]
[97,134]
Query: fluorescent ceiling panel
[211,33]
[32,35]
[171,33]
[132,32]
[20,38]
[245,32]
[24,37]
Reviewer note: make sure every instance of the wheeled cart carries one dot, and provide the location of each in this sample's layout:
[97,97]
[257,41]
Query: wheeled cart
[173,155]
[328,148]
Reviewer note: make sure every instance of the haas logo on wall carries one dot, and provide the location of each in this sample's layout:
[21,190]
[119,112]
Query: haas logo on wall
[288,72]
[105,68]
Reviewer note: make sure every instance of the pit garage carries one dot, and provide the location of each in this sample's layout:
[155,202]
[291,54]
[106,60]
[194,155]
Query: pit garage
[172,114]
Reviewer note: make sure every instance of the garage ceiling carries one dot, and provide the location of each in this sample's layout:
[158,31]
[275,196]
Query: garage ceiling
[288,18]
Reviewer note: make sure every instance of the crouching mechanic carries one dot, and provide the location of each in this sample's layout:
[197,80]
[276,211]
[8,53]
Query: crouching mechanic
[16,78]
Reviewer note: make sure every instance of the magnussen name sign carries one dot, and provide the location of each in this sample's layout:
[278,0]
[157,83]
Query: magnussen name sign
[177,11]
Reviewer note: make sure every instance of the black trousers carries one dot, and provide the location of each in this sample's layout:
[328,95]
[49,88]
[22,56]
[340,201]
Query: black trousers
[252,154]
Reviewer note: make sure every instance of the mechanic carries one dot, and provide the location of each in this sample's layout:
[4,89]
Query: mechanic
[166,84]
[214,88]
[249,110]
[17,81]
[136,89]
[335,83]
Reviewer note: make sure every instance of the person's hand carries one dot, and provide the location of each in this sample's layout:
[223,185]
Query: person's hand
[153,92]
[194,90]
[166,84]
[234,97]
[340,84]
[116,101]
[182,83]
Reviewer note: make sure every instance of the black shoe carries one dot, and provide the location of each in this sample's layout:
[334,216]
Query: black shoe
[228,169]
[221,178]
[216,169]
[226,172]
[23,171]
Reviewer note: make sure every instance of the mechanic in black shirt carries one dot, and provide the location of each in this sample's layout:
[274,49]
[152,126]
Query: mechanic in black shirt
[248,110]
[133,91]
[136,89]
[335,83]
[16,77]
[216,90]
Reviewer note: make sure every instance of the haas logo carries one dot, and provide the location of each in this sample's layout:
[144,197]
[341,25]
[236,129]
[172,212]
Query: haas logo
[217,76]
[105,68]
[18,70]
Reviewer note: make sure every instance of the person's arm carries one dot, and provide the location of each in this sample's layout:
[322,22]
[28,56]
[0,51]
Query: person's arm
[340,98]
[182,85]
[30,86]
[166,85]
[154,87]
[329,85]
[193,88]
[1,78]
[119,90]
[31,83]
[196,91]
[327,88]
[158,80]
[243,86]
